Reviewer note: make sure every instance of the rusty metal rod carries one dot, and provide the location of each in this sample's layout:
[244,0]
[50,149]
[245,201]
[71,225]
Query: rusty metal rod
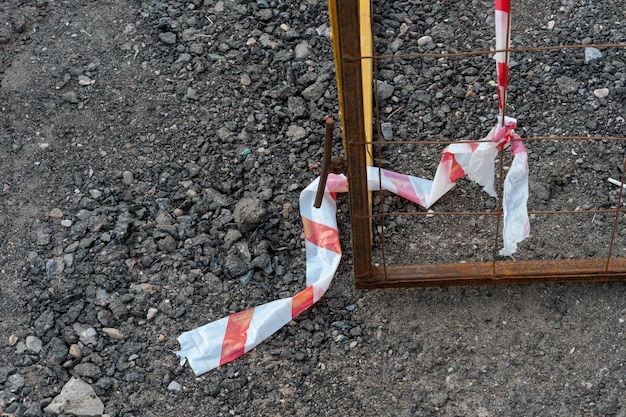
[449,142]
[493,213]
[379,159]
[353,120]
[483,273]
[506,60]
[483,52]
[504,97]
[328,151]
[617,211]
[499,209]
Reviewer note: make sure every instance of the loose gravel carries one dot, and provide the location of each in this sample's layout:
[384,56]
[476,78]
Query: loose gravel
[152,156]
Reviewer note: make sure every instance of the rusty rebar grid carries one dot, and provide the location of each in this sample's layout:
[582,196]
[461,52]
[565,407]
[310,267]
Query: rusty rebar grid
[496,271]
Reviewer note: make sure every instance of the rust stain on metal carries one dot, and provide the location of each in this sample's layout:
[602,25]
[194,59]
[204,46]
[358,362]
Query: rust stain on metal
[483,273]
[328,149]
[349,41]
[334,165]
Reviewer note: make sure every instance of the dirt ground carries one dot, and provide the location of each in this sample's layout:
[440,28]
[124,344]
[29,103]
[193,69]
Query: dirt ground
[131,130]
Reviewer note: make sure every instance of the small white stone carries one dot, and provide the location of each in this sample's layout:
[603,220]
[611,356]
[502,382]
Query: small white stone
[302,50]
[95,193]
[152,312]
[87,335]
[296,132]
[113,333]
[66,223]
[128,177]
[76,398]
[601,92]
[592,54]
[174,386]
[33,344]
[323,30]
[84,80]
[424,40]
[55,213]
[75,351]
[21,347]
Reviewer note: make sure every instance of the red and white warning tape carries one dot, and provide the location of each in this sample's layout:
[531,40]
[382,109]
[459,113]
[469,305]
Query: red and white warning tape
[220,342]
[502,44]
[515,193]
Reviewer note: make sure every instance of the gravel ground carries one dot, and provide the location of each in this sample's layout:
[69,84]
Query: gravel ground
[152,156]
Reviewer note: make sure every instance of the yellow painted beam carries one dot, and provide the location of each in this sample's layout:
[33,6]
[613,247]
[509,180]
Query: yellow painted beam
[332,7]
[365,30]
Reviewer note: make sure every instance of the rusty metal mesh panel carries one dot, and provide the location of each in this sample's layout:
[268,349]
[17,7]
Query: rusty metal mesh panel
[578,218]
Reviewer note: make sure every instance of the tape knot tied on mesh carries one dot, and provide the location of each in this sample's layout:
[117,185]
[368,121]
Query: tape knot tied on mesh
[504,134]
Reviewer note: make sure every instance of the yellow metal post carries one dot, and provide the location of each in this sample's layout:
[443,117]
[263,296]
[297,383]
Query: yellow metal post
[365,34]
[365,24]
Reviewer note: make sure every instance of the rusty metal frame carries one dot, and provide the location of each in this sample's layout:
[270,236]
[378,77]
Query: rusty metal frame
[346,38]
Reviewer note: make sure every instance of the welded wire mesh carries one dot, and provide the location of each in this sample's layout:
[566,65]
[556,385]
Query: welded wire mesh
[447,94]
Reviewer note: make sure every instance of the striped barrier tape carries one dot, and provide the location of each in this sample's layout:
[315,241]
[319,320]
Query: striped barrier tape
[502,44]
[220,342]
[224,340]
